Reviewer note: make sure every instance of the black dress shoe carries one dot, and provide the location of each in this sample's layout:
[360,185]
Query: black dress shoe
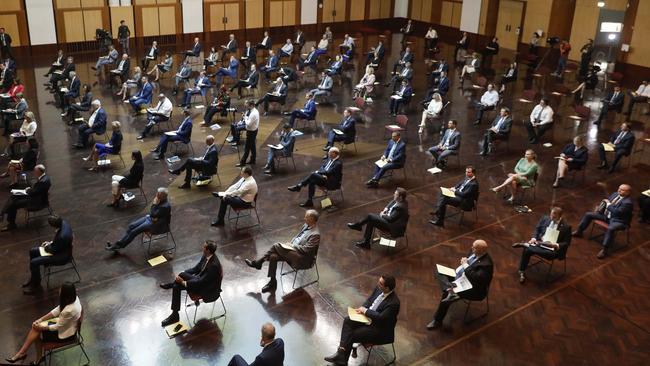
[32,289]
[326,148]
[27,284]
[295,188]
[240,164]
[184,186]
[577,234]
[217,223]
[9,227]
[253,264]
[602,254]
[437,222]
[434,325]
[602,166]
[354,226]
[362,244]
[338,358]
[307,203]
[171,319]
[166,286]
[172,171]
[271,286]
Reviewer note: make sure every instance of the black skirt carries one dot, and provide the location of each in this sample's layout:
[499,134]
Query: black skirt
[51,336]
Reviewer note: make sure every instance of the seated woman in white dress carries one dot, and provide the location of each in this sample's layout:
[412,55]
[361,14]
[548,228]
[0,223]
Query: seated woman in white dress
[432,111]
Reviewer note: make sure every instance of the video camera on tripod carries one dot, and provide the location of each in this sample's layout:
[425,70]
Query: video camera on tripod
[104,39]
[552,41]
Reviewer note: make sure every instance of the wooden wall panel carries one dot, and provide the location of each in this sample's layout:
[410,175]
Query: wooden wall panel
[231,11]
[455,15]
[143,2]
[11,5]
[275,9]
[289,12]
[375,9]
[584,25]
[68,4]
[425,13]
[639,46]
[122,13]
[150,26]
[74,31]
[446,13]
[92,3]
[167,17]
[10,23]
[167,1]
[217,12]
[386,9]
[538,15]
[92,21]
[357,10]
[254,14]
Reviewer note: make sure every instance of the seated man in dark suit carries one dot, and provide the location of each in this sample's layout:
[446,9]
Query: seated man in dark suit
[478,270]
[183,133]
[196,49]
[329,175]
[206,165]
[614,100]
[250,80]
[277,94]
[552,237]
[465,196]
[311,60]
[272,350]
[394,158]
[204,279]
[449,145]
[616,211]
[157,221]
[345,132]
[96,124]
[248,55]
[574,156]
[440,85]
[500,129]
[400,97]
[271,64]
[307,112]
[72,92]
[265,44]
[622,142]
[382,308]
[405,57]
[62,74]
[59,253]
[376,54]
[392,219]
[284,148]
[300,252]
[35,197]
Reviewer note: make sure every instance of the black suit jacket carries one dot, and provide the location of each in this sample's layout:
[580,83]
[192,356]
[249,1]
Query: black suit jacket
[132,179]
[563,239]
[505,128]
[161,217]
[249,53]
[626,143]
[334,174]
[468,195]
[272,354]
[479,275]
[621,211]
[398,217]
[579,156]
[206,282]
[62,242]
[38,193]
[210,160]
[384,318]
[65,74]
[615,103]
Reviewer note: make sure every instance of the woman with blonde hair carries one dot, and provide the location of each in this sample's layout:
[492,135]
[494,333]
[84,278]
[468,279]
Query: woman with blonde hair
[133,82]
[524,175]
[366,84]
[111,147]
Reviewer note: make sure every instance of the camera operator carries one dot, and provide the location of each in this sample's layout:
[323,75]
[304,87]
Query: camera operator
[565,48]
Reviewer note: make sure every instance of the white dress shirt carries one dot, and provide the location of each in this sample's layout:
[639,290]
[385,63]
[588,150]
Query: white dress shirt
[91,119]
[28,128]
[245,188]
[490,98]
[287,48]
[66,326]
[165,108]
[431,34]
[543,114]
[252,121]
[323,44]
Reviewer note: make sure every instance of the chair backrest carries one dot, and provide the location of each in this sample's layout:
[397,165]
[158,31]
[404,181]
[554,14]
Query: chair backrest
[529,94]
[401,120]
[482,81]
[583,111]
[359,102]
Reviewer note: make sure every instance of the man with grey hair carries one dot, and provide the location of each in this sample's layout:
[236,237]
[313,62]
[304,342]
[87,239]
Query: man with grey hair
[205,165]
[69,93]
[156,222]
[272,352]
[300,252]
[96,124]
[34,198]
[329,175]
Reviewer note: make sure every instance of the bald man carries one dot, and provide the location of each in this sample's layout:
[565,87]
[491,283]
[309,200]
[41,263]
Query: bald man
[617,214]
[478,269]
[272,350]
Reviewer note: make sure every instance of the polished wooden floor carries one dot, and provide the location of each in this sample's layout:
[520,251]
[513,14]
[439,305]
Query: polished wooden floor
[597,314]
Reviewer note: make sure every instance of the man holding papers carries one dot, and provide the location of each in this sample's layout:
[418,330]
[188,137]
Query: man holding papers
[238,195]
[394,158]
[160,113]
[620,144]
[463,195]
[471,281]
[55,252]
[381,309]
[392,219]
[400,97]
[616,211]
[551,239]
[206,165]
[278,94]
[183,133]
[284,148]
[329,175]
[346,130]
[34,197]
[449,145]
[300,252]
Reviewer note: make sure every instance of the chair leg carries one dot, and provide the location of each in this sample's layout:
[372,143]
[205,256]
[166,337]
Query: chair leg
[369,352]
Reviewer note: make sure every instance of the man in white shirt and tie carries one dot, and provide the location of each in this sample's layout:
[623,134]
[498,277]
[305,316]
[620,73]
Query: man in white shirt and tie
[286,50]
[488,102]
[206,165]
[250,122]
[541,120]
[639,96]
[160,113]
[239,195]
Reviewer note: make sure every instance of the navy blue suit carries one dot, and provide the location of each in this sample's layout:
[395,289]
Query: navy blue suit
[98,128]
[618,216]
[287,140]
[613,101]
[187,94]
[563,240]
[143,97]
[37,198]
[308,112]
[195,51]
[405,94]
[272,355]
[397,160]
[230,71]
[183,133]
[270,66]
[622,147]
[60,248]
[347,126]
[579,156]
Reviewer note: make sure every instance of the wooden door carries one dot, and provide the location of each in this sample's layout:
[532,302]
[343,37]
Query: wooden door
[289,12]
[217,15]
[386,9]
[357,10]
[254,14]
[334,10]
[508,23]
[231,16]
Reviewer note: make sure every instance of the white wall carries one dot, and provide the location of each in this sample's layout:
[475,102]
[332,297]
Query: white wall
[309,11]
[401,8]
[470,16]
[192,16]
[40,17]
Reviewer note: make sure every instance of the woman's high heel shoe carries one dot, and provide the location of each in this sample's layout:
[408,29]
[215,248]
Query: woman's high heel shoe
[16,358]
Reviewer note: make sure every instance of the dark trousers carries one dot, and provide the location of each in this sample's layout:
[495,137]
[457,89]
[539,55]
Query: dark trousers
[395,103]
[237,360]
[613,227]
[152,121]
[333,137]
[297,114]
[187,95]
[302,63]
[441,205]
[443,307]
[189,165]
[644,208]
[277,254]
[618,155]
[480,109]
[210,112]
[534,250]
[176,291]
[489,137]
[36,261]
[536,132]
[234,202]
[268,98]
[379,172]
[84,133]
[12,205]
[249,147]
[134,229]
[238,85]
[633,100]
[7,119]
[313,180]
[373,221]
[355,332]
[164,141]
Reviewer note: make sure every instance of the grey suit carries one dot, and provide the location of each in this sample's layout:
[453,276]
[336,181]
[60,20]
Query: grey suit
[305,245]
[449,145]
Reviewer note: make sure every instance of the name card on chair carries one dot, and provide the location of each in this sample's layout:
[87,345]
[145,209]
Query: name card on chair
[326,203]
[157,260]
[387,242]
[104,162]
[434,170]
[215,127]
